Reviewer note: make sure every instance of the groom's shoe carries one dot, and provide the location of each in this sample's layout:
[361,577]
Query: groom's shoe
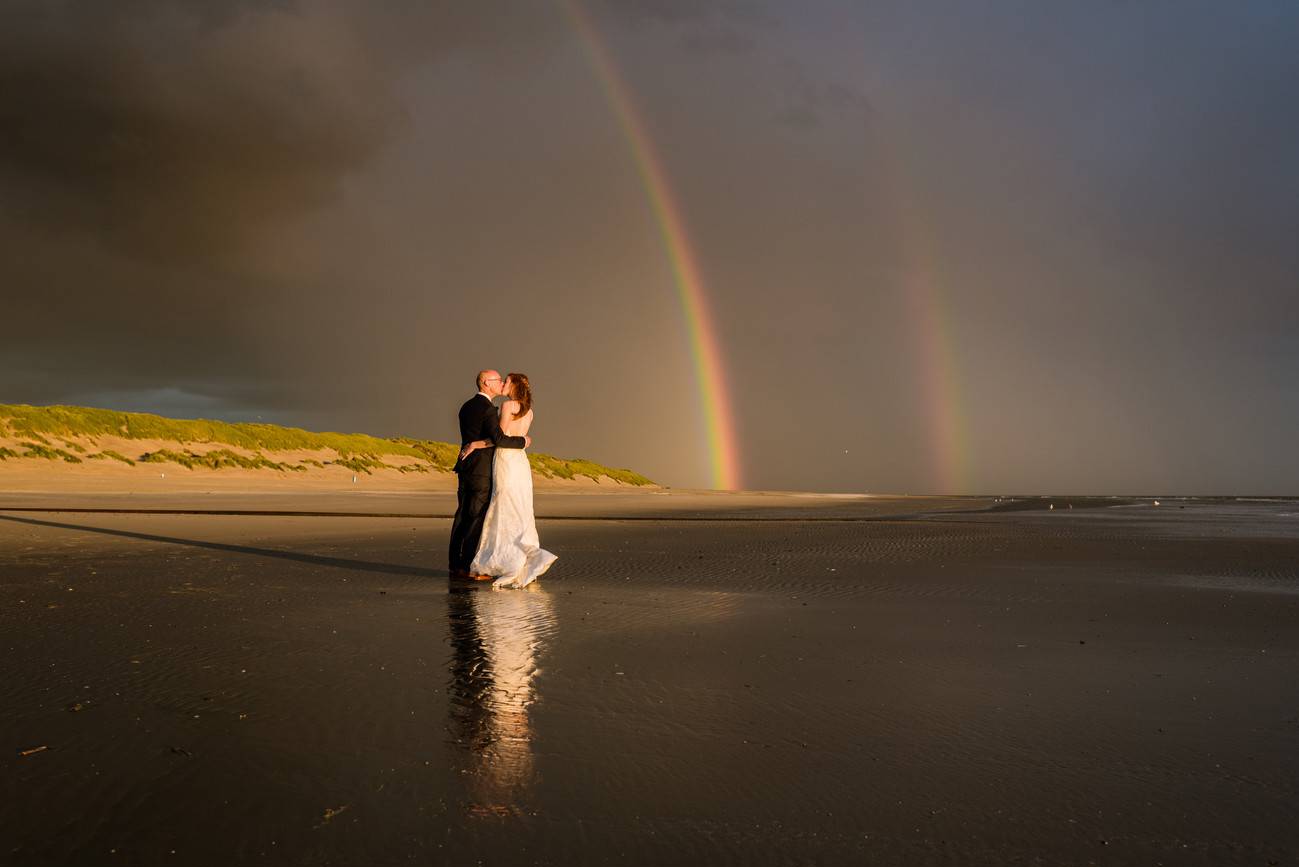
[481,577]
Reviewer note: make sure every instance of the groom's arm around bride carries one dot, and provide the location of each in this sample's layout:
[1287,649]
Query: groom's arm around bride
[479,421]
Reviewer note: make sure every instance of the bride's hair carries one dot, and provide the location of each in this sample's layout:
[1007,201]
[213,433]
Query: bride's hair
[521,390]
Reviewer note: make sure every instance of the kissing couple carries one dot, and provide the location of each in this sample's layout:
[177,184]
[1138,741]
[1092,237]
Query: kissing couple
[494,535]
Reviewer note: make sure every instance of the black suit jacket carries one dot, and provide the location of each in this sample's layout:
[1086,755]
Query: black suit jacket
[479,420]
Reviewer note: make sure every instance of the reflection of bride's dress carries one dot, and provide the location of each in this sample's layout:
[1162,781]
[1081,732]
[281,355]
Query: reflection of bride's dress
[498,639]
[510,551]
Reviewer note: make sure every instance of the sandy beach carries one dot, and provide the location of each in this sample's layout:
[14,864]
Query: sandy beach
[767,679]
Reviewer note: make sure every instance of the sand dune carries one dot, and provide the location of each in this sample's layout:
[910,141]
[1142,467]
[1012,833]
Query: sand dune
[69,449]
[106,475]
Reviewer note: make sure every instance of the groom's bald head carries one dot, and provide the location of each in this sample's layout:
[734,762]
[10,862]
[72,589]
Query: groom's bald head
[489,381]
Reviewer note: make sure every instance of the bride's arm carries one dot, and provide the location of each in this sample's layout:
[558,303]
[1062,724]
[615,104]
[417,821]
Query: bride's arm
[499,438]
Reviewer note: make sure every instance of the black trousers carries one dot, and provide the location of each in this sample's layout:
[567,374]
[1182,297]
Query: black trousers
[473,496]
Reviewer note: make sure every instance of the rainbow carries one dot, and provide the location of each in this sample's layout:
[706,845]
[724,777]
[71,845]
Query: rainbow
[949,464]
[714,401]
[934,332]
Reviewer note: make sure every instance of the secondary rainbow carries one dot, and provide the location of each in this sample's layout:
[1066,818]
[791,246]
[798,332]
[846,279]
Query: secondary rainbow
[714,400]
[950,466]
[930,311]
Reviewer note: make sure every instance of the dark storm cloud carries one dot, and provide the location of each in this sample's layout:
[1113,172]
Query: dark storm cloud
[156,159]
[330,213]
[149,151]
[180,131]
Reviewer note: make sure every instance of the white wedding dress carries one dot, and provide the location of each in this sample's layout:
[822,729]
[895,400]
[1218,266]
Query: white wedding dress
[510,550]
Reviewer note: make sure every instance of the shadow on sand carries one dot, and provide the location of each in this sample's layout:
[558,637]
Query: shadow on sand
[297,557]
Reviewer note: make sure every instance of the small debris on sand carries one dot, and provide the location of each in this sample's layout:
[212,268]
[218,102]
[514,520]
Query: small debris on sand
[331,812]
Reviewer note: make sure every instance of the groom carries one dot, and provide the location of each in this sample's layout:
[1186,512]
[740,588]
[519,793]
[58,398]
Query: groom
[478,421]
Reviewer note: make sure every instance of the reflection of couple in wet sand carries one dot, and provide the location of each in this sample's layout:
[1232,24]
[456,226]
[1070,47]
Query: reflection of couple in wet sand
[494,535]
[496,640]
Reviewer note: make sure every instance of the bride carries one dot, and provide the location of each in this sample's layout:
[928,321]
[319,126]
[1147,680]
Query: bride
[510,551]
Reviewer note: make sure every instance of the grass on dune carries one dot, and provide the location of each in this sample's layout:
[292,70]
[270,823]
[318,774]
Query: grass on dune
[361,453]
[216,459]
[360,463]
[36,450]
[109,453]
[552,467]
[67,421]
[441,455]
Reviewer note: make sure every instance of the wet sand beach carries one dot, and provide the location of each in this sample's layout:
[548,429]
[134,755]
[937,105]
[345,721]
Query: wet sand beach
[697,680]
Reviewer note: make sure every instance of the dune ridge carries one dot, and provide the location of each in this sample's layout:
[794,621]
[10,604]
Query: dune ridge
[71,444]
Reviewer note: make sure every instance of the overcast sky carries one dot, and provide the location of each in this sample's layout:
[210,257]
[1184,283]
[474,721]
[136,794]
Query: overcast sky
[1065,233]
